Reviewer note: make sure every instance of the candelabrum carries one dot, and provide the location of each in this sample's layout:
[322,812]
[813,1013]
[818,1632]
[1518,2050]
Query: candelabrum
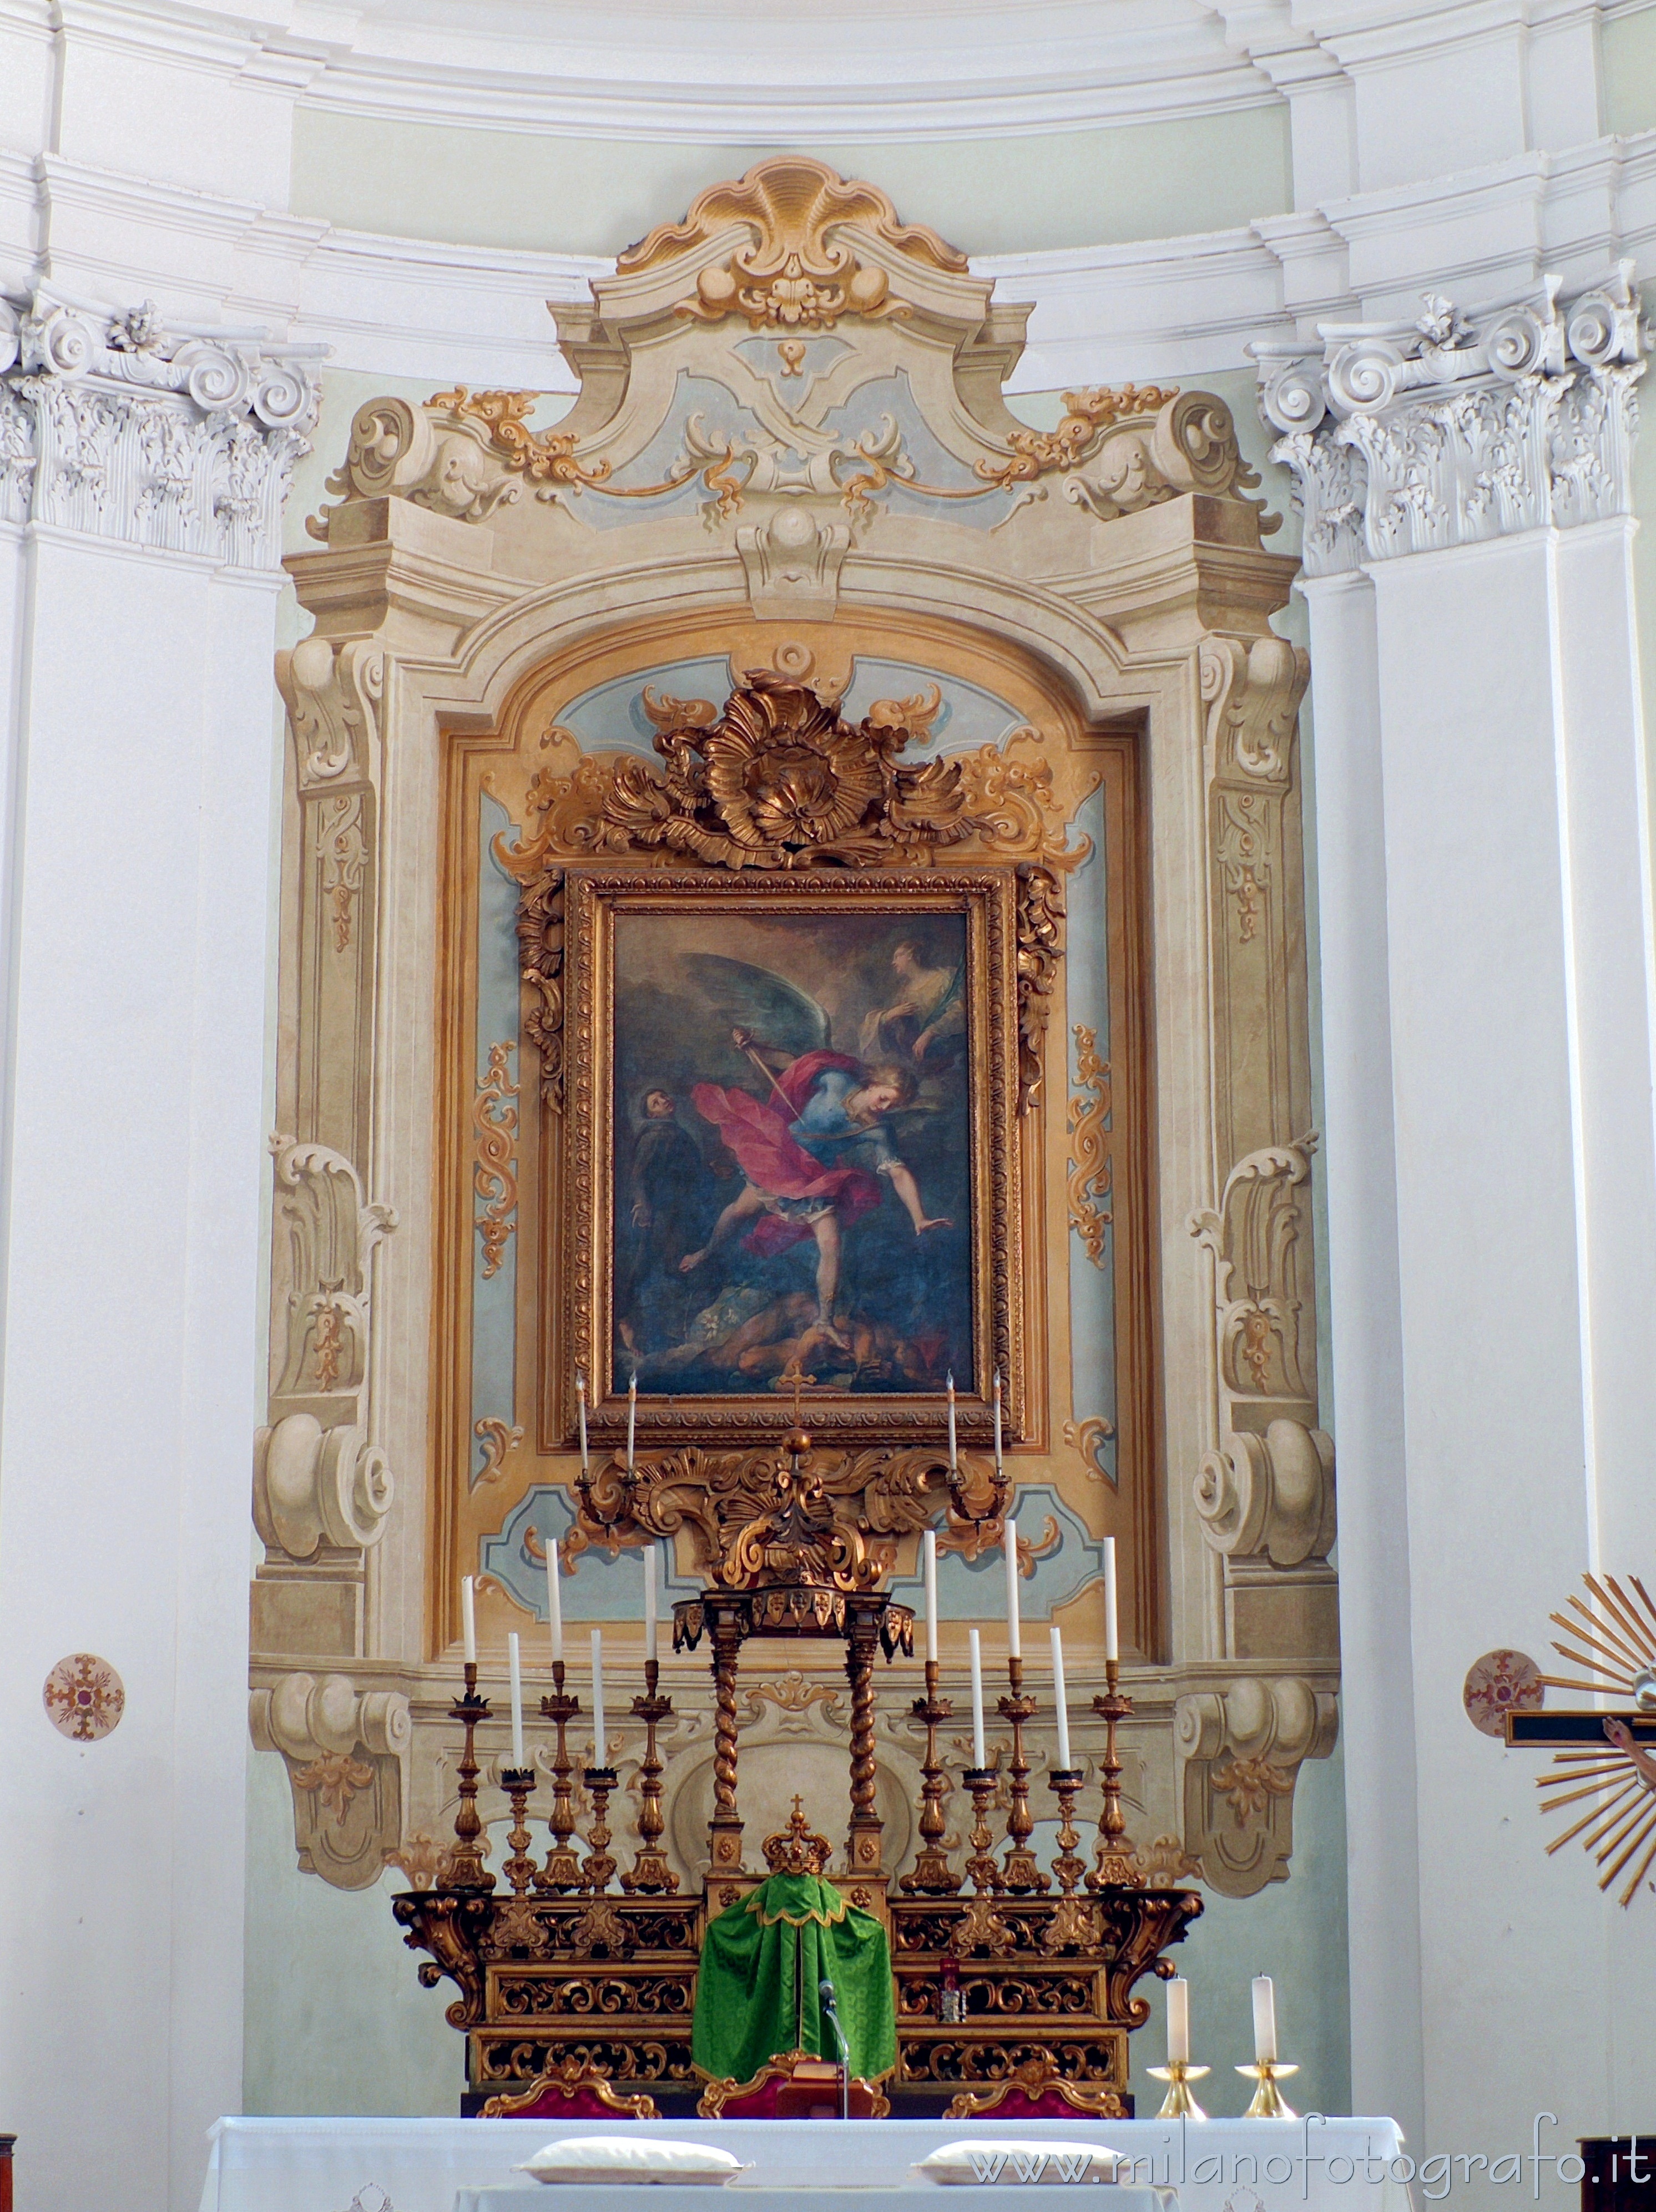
[1178,2103]
[561,1871]
[598,1865]
[1020,1874]
[1115,1868]
[1267,2103]
[466,1869]
[520,1869]
[1065,1782]
[981,1866]
[933,1875]
[651,1875]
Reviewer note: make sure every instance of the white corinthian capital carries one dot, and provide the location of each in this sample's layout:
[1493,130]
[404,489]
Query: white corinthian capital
[1413,437]
[165,435]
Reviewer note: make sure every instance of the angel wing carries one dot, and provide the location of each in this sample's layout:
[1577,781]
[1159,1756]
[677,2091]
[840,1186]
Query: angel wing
[738,994]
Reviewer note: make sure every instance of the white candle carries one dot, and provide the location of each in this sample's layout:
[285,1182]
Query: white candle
[555,1597]
[999,1467]
[632,1420]
[514,1667]
[581,1405]
[1112,1630]
[650,1651]
[469,1619]
[930,1549]
[955,1450]
[599,1758]
[1178,2022]
[979,1756]
[1264,2020]
[1060,1702]
[1015,1633]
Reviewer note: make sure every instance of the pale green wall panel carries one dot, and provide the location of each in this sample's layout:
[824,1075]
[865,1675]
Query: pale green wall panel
[335,2020]
[987,196]
[1628,60]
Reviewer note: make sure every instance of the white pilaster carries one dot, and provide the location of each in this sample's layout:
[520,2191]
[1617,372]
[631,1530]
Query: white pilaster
[132,1126]
[1484,860]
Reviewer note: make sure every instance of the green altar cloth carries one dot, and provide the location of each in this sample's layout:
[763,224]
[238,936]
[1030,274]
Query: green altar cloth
[756,1989]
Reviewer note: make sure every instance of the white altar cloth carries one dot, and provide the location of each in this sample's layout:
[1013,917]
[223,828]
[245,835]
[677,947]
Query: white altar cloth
[420,2166]
[655,2197]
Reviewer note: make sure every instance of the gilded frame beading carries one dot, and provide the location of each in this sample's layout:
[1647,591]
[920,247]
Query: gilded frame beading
[579,1322]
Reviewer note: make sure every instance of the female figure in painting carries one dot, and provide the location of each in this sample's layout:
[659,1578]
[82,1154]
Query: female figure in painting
[928,1006]
[807,1153]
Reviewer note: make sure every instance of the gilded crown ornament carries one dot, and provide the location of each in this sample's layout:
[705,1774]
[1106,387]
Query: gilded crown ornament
[780,781]
[797,1849]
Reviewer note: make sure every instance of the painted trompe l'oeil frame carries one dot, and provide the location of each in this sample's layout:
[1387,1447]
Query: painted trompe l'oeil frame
[1041,1161]
[735,494]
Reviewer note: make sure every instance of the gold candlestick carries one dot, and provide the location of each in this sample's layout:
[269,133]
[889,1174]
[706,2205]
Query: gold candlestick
[1115,1868]
[598,1866]
[1020,1874]
[561,1871]
[651,1875]
[933,1875]
[465,1869]
[1068,1868]
[1267,2103]
[520,1869]
[1178,2103]
[985,1874]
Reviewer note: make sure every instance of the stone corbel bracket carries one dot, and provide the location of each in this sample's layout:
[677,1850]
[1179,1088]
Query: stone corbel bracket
[322,1489]
[1239,1750]
[173,437]
[1408,438]
[346,1751]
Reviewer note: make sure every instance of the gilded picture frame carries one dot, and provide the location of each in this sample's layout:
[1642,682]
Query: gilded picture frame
[723,1358]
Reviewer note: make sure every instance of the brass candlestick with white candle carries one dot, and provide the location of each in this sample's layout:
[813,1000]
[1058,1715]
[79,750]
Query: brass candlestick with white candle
[1064,1780]
[1115,1868]
[651,1875]
[464,1868]
[932,1874]
[561,1871]
[1267,2068]
[1178,2073]
[518,1779]
[1020,1872]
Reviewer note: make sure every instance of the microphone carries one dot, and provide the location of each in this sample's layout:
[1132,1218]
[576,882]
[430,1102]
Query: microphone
[830,2014]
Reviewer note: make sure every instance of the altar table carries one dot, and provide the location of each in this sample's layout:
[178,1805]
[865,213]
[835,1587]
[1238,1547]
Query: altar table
[422,2165]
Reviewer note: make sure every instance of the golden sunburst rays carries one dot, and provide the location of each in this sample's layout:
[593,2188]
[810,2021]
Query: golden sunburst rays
[1617,1627]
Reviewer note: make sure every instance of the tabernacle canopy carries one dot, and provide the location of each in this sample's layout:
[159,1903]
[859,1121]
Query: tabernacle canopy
[756,1988]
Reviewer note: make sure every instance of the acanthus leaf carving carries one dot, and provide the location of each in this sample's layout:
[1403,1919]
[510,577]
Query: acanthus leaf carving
[1463,427]
[177,442]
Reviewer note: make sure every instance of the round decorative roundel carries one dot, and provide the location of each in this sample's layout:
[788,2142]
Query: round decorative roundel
[83,1697]
[1498,1683]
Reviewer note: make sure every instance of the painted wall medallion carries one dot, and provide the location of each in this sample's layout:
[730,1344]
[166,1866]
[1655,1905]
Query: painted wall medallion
[1498,1683]
[84,1696]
